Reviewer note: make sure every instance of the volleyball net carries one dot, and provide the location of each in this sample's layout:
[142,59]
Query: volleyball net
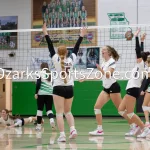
[27,49]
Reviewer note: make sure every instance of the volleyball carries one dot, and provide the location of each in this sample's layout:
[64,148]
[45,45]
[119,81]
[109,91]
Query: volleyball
[129,35]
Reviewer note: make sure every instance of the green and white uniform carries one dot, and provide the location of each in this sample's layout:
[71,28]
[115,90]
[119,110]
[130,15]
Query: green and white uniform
[64,8]
[60,15]
[68,15]
[53,16]
[57,8]
[46,87]
[49,10]
[68,4]
[46,17]
[83,14]
[71,8]
[75,15]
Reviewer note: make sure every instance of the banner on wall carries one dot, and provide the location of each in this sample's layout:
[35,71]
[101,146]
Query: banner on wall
[37,61]
[8,40]
[86,57]
[92,57]
[68,14]
[117,19]
[81,58]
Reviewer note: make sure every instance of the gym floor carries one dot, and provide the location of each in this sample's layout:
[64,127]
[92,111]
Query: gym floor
[26,138]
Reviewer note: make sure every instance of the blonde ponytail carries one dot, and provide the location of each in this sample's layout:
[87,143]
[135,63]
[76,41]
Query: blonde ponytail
[62,57]
[113,53]
[62,52]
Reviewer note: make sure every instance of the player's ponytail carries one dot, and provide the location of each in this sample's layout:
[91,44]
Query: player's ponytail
[145,56]
[45,66]
[113,53]
[148,59]
[62,52]
[63,68]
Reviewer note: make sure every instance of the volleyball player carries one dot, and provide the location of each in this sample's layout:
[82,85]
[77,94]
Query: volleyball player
[68,3]
[68,16]
[46,16]
[84,16]
[133,86]
[44,10]
[111,87]
[63,85]
[53,17]
[60,15]
[75,17]
[146,91]
[64,7]
[44,96]
[134,129]
[58,6]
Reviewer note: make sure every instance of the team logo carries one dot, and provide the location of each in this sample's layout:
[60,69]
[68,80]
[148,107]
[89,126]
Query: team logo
[37,38]
[90,36]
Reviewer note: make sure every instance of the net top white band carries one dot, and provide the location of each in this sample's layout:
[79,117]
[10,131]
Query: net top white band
[77,28]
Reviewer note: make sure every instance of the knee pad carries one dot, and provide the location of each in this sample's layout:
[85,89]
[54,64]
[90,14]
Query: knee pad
[30,119]
[97,111]
[130,115]
[68,113]
[149,109]
[145,108]
[59,114]
[49,112]
[121,113]
[39,113]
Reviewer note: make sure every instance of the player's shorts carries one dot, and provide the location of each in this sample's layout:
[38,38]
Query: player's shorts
[135,92]
[22,121]
[114,88]
[63,91]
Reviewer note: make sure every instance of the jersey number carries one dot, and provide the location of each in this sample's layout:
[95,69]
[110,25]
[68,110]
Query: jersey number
[136,72]
[67,70]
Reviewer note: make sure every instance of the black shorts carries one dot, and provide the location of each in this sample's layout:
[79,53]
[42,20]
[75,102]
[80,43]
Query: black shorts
[63,91]
[115,88]
[22,121]
[135,92]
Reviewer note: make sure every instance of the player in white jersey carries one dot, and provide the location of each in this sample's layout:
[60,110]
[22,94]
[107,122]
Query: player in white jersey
[7,120]
[127,105]
[111,87]
[43,94]
[63,85]
[146,92]
[134,129]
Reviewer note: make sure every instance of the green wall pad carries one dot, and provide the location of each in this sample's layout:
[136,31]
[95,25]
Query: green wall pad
[85,95]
